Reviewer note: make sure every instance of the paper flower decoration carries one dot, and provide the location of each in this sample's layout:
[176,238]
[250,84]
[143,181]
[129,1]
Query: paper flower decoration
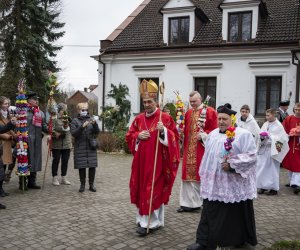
[180,113]
[22,131]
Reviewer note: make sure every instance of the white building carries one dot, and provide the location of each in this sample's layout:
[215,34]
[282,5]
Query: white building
[235,51]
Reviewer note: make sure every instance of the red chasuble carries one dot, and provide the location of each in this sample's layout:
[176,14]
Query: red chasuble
[143,162]
[292,159]
[193,149]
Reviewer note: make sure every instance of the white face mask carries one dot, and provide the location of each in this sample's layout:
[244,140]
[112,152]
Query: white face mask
[83,113]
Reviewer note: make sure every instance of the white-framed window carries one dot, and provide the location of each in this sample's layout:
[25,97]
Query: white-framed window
[239,26]
[179,29]
[178,22]
[240,20]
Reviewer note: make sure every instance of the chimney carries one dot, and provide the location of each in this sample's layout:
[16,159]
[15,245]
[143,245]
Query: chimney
[85,90]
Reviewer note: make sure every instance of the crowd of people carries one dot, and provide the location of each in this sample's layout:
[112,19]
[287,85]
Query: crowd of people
[226,163]
[83,128]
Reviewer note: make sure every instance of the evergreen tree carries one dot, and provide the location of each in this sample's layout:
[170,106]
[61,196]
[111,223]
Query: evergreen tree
[28,31]
[116,118]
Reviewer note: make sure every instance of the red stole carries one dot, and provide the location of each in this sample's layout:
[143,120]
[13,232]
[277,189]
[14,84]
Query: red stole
[292,159]
[193,149]
[143,162]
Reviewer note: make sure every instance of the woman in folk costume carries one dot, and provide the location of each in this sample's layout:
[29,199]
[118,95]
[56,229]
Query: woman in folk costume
[292,160]
[141,138]
[6,139]
[273,148]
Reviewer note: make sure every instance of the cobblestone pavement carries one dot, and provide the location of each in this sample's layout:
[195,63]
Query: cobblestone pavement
[59,217]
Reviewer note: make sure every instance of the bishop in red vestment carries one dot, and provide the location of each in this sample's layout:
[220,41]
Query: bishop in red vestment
[141,139]
[193,151]
[291,161]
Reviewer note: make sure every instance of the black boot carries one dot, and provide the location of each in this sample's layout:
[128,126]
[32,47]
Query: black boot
[32,181]
[82,187]
[2,192]
[92,188]
[2,206]
[82,180]
[92,172]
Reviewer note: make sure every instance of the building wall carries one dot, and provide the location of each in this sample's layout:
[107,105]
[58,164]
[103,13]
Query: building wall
[235,77]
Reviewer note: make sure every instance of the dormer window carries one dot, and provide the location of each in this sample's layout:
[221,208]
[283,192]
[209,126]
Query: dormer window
[239,26]
[240,19]
[179,29]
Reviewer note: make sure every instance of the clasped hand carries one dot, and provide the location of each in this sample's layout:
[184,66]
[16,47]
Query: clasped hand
[160,126]
[88,122]
[225,166]
[144,135]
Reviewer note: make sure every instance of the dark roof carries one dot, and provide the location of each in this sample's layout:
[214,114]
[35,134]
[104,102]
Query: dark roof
[89,95]
[145,31]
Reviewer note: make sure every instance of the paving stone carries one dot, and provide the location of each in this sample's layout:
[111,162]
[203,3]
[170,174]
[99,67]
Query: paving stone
[62,218]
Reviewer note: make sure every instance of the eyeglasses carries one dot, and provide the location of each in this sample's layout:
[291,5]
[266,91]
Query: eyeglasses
[84,110]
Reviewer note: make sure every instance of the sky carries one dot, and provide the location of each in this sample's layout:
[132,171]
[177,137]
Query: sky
[86,23]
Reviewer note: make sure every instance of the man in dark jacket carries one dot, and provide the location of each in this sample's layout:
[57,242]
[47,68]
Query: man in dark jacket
[36,123]
[282,110]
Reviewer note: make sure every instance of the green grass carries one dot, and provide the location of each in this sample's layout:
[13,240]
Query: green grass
[285,245]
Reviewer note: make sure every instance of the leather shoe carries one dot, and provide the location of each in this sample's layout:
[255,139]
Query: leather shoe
[272,192]
[195,246]
[2,206]
[142,231]
[287,185]
[92,188]
[261,191]
[180,210]
[296,190]
[188,210]
[34,186]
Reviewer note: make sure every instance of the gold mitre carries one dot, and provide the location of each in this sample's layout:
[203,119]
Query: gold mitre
[148,89]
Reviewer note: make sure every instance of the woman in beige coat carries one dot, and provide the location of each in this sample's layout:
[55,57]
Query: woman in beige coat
[7,139]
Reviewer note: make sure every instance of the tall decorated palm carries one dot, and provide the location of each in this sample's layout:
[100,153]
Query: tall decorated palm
[22,133]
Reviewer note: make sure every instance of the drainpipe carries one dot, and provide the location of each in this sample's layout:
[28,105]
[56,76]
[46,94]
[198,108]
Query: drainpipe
[103,87]
[296,62]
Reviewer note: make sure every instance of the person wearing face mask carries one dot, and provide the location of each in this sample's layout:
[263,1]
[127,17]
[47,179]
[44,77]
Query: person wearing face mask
[6,139]
[83,129]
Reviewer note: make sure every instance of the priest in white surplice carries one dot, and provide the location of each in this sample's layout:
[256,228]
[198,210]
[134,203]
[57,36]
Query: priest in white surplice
[274,146]
[228,186]
[247,121]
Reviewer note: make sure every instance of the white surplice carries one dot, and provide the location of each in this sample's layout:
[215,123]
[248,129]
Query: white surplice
[224,186]
[269,159]
[251,125]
